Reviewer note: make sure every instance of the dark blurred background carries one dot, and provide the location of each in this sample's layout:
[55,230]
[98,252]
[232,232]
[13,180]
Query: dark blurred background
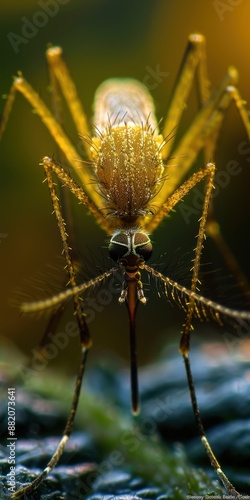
[102,39]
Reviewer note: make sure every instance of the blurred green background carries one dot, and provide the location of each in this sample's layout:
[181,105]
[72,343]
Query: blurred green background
[102,39]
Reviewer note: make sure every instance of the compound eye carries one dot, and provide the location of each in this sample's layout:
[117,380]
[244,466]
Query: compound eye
[118,246]
[143,246]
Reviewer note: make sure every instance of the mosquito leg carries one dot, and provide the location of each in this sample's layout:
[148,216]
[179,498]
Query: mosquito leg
[21,85]
[185,338]
[7,109]
[214,462]
[184,346]
[62,297]
[179,193]
[194,59]
[85,341]
[66,434]
[55,316]
[66,208]
[66,251]
[59,69]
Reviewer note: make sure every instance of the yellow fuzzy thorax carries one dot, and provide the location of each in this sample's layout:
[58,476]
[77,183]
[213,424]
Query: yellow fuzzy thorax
[128,164]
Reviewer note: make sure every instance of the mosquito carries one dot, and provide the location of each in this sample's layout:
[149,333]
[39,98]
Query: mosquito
[135,187]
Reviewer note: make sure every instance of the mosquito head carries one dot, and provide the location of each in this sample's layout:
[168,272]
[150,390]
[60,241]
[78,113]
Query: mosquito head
[129,246]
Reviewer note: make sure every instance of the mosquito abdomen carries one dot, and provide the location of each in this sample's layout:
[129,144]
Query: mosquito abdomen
[120,101]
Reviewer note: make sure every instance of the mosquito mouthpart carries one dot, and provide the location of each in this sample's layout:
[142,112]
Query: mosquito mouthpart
[136,411]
